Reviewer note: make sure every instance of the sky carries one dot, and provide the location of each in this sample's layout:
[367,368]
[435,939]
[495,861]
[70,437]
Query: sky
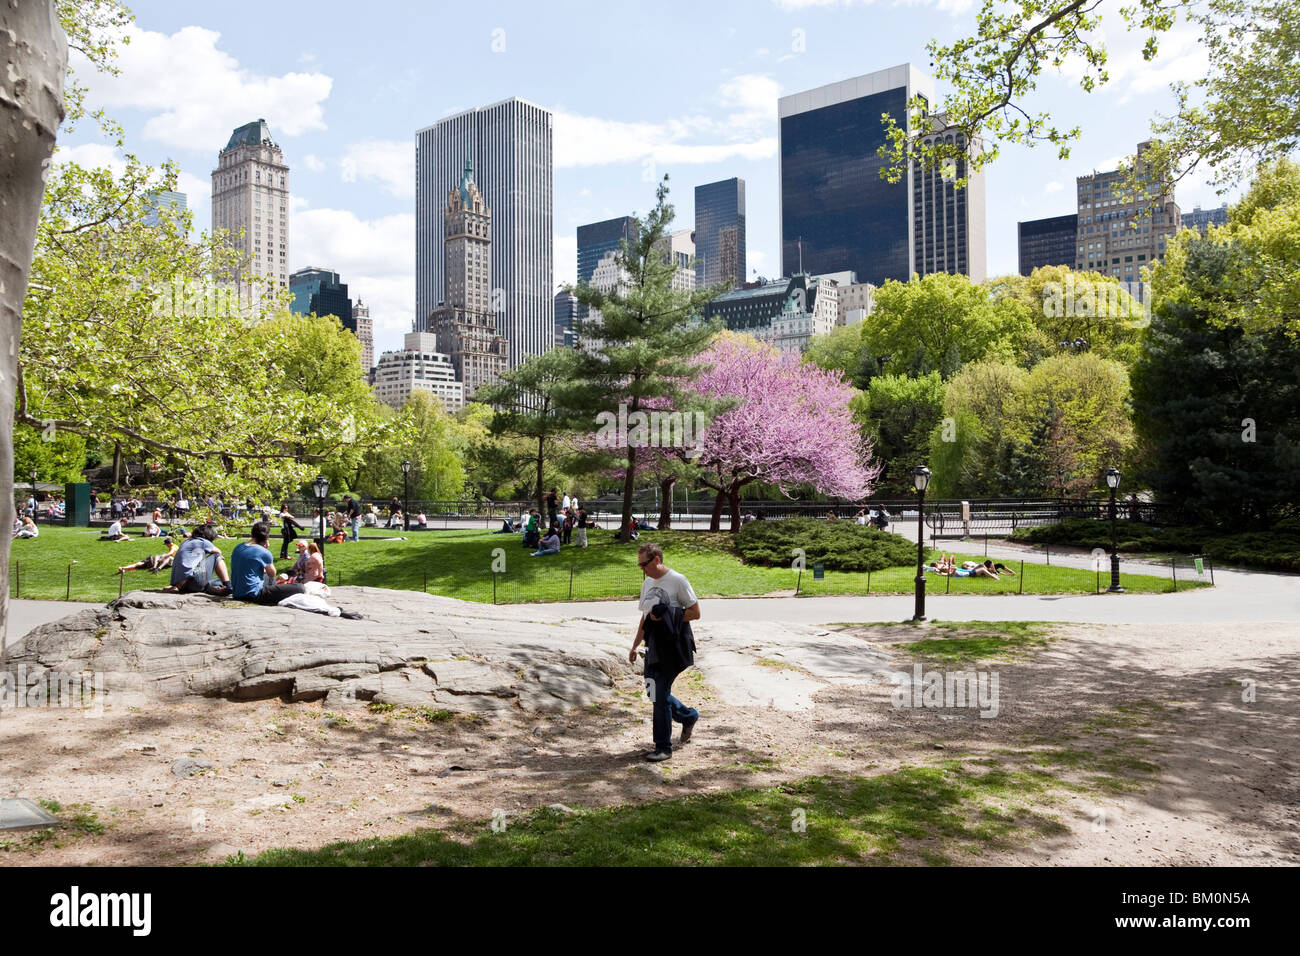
[638,89]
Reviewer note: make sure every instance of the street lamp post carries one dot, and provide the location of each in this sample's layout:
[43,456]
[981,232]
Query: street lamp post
[1112,481]
[321,486]
[921,479]
[880,363]
[33,477]
[406,500]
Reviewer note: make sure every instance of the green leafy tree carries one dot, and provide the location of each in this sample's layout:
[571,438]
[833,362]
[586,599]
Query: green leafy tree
[970,448]
[843,350]
[61,459]
[1063,305]
[1244,111]
[533,403]
[898,415]
[940,322]
[1216,405]
[638,353]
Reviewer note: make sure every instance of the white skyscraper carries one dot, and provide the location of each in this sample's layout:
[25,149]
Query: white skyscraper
[250,191]
[510,146]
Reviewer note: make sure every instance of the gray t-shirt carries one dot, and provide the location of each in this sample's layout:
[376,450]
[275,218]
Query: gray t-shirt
[672,589]
[189,558]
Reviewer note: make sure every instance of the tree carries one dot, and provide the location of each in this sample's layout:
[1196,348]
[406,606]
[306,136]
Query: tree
[1216,404]
[1243,112]
[31,93]
[842,350]
[897,414]
[788,423]
[969,449]
[640,348]
[61,459]
[939,322]
[128,340]
[533,402]
[1063,306]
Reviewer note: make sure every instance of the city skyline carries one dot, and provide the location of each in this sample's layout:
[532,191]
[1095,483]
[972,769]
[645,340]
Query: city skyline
[347,131]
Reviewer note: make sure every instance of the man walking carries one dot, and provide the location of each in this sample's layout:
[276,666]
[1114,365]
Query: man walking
[668,605]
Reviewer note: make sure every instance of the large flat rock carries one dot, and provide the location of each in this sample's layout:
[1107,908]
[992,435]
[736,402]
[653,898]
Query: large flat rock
[411,650]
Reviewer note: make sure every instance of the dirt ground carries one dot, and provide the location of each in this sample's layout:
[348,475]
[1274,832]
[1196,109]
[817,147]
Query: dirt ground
[1226,790]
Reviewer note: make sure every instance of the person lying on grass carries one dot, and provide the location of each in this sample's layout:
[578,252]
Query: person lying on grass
[154,562]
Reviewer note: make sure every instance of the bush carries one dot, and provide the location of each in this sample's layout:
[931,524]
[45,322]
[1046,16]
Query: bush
[839,545]
[1276,550]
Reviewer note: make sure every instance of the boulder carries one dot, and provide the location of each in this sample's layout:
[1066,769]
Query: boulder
[409,650]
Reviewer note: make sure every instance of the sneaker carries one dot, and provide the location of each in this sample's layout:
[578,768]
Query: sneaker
[659,755]
[687,728]
[351,615]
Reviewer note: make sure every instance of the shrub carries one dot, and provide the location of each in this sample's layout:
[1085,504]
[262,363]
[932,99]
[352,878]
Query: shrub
[839,545]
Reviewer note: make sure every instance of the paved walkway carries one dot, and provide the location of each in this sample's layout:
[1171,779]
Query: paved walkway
[24,616]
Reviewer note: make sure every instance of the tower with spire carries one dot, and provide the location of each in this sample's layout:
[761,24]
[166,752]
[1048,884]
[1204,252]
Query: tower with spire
[465,323]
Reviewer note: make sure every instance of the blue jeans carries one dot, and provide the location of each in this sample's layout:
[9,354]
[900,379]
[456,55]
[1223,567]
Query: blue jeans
[667,708]
[544,552]
[356,528]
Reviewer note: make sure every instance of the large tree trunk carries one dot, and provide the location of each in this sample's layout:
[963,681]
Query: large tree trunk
[117,464]
[33,64]
[733,499]
[541,492]
[629,486]
[666,503]
[715,519]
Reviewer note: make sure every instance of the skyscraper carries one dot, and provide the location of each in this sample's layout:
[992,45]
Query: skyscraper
[250,191]
[366,333]
[1047,242]
[597,240]
[566,310]
[947,222]
[510,146]
[464,324]
[720,233]
[1120,233]
[836,212]
[320,291]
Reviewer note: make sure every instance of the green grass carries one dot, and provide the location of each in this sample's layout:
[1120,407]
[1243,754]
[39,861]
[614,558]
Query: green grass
[981,640]
[458,564]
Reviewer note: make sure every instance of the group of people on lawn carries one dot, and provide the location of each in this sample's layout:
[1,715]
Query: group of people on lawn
[947,565]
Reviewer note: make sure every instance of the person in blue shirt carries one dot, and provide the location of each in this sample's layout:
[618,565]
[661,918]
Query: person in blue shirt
[197,562]
[252,570]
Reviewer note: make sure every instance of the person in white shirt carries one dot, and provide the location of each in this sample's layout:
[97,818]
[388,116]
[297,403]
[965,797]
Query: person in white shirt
[566,503]
[115,533]
[663,586]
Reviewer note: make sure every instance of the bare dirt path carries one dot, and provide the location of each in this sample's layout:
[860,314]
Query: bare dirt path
[1223,789]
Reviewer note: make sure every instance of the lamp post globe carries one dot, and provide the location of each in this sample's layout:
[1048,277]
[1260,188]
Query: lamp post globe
[1112,482]
[921,481]
[321,487]
[406,500]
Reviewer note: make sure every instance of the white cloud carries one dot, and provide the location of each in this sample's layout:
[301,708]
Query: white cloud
[955,7]
[1053,187]
[389,162]
[314,163]
[197,93]
[1181,58]
[375,257]
[745,130]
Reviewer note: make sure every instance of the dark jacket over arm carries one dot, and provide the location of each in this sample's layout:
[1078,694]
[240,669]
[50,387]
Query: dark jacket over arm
[670,643]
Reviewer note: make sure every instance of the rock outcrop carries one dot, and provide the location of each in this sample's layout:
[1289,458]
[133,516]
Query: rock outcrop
[410,650]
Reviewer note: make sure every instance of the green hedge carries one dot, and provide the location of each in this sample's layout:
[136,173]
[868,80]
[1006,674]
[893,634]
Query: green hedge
[1276,550]
[839,545]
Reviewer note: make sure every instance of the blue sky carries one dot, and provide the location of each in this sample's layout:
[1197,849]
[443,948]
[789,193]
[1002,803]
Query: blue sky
[638,89]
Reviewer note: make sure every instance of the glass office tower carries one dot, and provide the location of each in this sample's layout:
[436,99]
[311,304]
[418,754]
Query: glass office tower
[720,233]
[837,213]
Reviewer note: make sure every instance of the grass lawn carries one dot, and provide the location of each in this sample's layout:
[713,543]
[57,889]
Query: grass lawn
[459,564]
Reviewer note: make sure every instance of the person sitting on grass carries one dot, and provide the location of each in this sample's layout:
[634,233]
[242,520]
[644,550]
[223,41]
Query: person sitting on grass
[396,520]
[532,533]
[507,527]
[154,562]
[195,563]
[422,520]
[152,530]
[29,529]
[296,571]
[550,544]
[115,533]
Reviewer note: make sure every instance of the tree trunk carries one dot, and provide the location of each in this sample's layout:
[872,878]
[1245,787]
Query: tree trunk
[629,486]
[35,53]
[541,493]
[117,464]
[666,503]
[715,520]
[733,499]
